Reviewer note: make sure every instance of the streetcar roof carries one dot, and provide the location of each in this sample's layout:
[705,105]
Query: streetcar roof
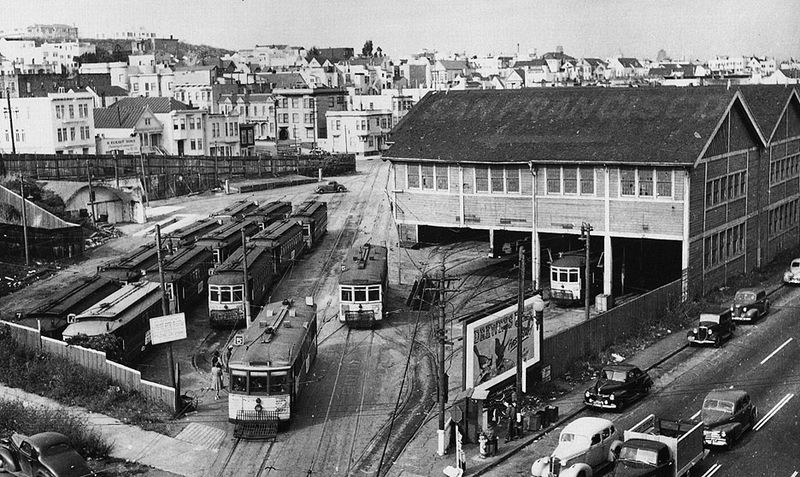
[175,265]
[123,301]
[193,229]
[568,261]
[228,231]
[278,347]
[230,271]
[71,298]
[373,272]
[132,262]
[310,208]
[272,208]
[237,208]
[278,232]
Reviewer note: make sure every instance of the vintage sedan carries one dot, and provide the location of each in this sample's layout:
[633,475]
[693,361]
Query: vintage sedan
[792,275]
[726,415]
[47,454]
[618,386]
[585,446]
[330,187]
[750,304]
[714,328]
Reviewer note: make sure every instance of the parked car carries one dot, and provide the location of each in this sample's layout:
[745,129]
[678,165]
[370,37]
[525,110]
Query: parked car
[47,454]
[331,187]
[726,415]
[750,304]
[618,386]
[714,328]
[586,445]
[792,275]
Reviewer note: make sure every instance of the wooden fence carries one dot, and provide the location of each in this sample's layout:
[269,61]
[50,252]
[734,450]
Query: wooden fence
[591,337]
[123,376]
[170,176]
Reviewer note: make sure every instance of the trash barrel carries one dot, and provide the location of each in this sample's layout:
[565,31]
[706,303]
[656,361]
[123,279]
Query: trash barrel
[534,421]
[542,417]
[491,446]
[551,412]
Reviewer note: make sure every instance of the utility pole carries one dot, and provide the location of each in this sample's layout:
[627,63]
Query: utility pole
[165,304]
[246,297]
[520,313]
[11,123]
[24,220]
[586,235]
[91,191]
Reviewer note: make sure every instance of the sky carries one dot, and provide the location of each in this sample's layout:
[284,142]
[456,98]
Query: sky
[697,29]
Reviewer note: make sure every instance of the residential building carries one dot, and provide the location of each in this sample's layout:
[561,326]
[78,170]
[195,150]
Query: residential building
[397,101]
[362,132]
[198,75]
[32,85]
[53,31]
[444,72]
[129,127]
[726,65]
[625,68]
[276,57]
[301,112]
[222,134]
[118,70]
[106,95]
[181,125]
[254,109]
[203,96]
[59,123]
[672,180]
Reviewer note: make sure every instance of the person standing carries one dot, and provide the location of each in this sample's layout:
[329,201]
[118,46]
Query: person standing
[216,378]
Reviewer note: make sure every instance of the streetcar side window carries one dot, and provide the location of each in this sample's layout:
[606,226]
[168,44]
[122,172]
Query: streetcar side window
[554,275]
[347,294]
[374,293]
[279,382]
[239,381]
[360,293]
[237,293]
[573,276]
[258,381]
[213,293]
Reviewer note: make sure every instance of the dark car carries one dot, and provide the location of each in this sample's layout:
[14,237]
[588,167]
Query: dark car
[750,304]
[331,187]
[714,328]
[726,415]
[47,454]
[618,386]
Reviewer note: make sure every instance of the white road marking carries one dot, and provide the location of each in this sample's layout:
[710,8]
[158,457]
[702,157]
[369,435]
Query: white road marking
[712,470]
[773,411]
[696,415]
[794,474]
[776,351]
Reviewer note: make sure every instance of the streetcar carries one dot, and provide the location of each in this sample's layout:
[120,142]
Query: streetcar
[313,216]
[132,266]
[270,212]
[270,361]
[50,317]
[567,278]
[363,285]
[125,314]
[285,241]
[226,238]
[185,276]
[236,211]
[226,286]
[189,234]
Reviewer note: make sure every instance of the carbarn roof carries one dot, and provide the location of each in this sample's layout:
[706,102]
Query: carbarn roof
[767,103]
[664,125]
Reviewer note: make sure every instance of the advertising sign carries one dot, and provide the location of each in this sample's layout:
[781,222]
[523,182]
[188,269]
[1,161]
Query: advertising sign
[164,329]
[128,145]
[490,346]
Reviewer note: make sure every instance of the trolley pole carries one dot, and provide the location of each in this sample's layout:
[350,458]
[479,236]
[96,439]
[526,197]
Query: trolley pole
[586,234]
[520,312]
[165,304]
[24,219]
[246,297]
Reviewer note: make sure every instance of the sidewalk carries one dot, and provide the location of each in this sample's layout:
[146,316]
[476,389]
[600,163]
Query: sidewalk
[175,455]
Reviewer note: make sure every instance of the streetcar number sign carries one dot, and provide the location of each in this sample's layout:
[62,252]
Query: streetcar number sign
[164,329]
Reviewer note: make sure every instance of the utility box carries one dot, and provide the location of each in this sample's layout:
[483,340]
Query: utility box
[603,302]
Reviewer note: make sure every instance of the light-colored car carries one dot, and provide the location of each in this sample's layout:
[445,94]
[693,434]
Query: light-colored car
[586,445]
[792,275]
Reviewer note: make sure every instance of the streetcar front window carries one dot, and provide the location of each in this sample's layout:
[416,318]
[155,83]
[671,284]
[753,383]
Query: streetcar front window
[360,293]
[258,382]
[213,293]
[239,381]
[279,382]
[573,276]
[347,294]
[237,292]
[563,276]
[225,295]
[554,275]
[374,293]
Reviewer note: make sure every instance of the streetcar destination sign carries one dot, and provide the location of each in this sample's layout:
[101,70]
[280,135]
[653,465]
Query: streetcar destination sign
[164,329]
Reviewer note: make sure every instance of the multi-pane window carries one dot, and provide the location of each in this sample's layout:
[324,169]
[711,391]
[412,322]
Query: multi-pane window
[783,217]
[71,111]
[553,180]
[512,180]
[627,182]
[663,183]
[784,168]
[570,180]
[497,180]
[587,180]
[725,245]
[72,134]
[726,188]
[645,182]
[427,177]
[413,176]
[442,179]
[481,179]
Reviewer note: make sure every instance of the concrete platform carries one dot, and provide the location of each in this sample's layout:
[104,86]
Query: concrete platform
[266,183]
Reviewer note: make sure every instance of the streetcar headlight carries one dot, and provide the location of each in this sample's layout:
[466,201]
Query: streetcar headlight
[587,394]
[258,406]
[744,309]
[722,434]
[611,397]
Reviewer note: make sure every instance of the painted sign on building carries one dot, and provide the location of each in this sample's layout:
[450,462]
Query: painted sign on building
[490,347]
[127,145]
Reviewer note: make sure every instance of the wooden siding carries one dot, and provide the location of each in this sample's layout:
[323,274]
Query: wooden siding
[497,212]
[646,218]
[428,208]
[563,214]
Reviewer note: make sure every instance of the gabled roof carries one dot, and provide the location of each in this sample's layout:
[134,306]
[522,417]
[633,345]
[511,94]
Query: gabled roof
[606,125]
[557,55]
[454,64]
[283,80]
[629,62]
[116,118]
[595,62]
[195,68]
[158,105]
[767,104]
[530,63]
[109,90]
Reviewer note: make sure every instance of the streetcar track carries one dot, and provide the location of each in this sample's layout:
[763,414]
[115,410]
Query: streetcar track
[361,401]
[229,457]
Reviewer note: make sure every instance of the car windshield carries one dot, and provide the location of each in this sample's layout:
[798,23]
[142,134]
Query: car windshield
[646,456]
[56,449]
[795,265]
[718,405]
[615,375]
[574,439]
[744,297]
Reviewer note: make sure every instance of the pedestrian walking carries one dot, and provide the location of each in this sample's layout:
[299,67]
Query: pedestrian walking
[216,379]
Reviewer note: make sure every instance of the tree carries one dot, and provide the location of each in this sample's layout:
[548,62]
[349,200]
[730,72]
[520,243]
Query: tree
[313,52]
[366,50]
[662,55]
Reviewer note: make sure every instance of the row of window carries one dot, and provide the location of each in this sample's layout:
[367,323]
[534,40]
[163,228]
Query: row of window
[645,182]
[196,144]
[570,180]
[726,188]
[19,135]
[63,111]
[722,246]
[260,382]
[784,168]
[362,294]
[225,293]
[65,134]
[308,103]
[783,217]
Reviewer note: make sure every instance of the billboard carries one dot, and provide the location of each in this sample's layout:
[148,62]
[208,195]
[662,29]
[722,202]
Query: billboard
[164,329]
[490,346]
[128,145]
